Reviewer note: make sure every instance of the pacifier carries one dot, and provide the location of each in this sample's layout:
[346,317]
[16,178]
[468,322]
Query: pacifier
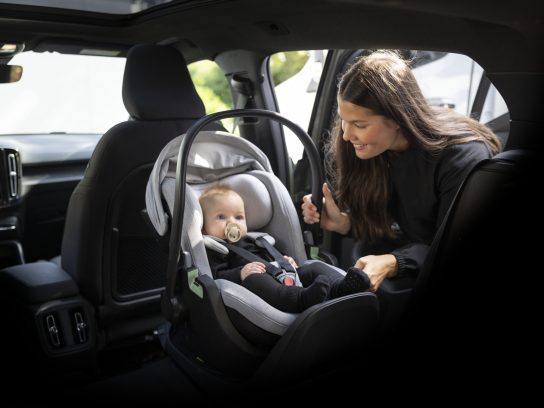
[232,232]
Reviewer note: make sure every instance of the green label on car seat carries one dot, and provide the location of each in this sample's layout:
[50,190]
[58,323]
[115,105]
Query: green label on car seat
[195,287]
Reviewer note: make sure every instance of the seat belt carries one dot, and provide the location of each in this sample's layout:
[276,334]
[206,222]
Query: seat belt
[285,273]
[244,88]
[479,98]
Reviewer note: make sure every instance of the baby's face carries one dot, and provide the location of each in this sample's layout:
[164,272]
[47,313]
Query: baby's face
[222,210]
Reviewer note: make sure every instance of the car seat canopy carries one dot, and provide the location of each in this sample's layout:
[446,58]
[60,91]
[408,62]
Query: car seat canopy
[214,155]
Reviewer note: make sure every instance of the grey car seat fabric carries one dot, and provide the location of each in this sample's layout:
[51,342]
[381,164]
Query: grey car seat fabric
[233,161]
[107,246]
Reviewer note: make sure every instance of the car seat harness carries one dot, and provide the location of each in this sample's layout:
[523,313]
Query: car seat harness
[280,269]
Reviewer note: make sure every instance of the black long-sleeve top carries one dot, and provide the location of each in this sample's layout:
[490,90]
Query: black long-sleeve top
[229,266]
[424,185]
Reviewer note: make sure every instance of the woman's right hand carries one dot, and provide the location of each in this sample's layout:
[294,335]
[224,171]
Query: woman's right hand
[332,219]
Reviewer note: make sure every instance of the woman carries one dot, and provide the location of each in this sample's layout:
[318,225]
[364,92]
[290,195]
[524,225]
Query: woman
[397,164]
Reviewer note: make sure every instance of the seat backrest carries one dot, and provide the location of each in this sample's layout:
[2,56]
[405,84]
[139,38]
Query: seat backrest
[107,246]
[492,205]
[479,260]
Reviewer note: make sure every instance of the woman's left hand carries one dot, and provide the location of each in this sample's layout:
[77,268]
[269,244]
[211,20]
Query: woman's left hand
[378,267]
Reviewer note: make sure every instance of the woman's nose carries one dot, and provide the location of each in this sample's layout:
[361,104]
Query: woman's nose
[346,133]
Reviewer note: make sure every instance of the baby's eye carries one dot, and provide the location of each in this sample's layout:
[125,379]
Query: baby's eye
[221,216]
[240,217]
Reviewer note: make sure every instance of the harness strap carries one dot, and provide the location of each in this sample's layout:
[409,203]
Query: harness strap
[278,257]
[251,257]
[285,273]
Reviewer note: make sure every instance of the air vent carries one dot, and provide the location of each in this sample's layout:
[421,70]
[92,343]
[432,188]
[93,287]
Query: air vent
[80,327]
[65,326]
[10,176]
[13,176]
[52,330]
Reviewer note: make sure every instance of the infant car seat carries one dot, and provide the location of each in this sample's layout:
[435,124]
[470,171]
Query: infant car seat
[218,330]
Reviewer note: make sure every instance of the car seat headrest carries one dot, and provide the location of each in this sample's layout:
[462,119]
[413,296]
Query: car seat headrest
[257,201]
[214,156]
[157,85]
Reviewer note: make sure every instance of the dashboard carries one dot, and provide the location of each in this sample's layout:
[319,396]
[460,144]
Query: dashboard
[38,173]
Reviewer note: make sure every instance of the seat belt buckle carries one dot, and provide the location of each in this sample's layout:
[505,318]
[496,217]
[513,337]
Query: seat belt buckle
[286,278]
[288,281]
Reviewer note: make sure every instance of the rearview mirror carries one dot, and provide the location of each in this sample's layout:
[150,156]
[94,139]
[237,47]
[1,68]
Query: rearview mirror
[10,73]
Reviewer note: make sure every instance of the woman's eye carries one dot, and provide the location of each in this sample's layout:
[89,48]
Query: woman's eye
[359,126]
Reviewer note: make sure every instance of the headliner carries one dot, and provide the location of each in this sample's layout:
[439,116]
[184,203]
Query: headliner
[503,36]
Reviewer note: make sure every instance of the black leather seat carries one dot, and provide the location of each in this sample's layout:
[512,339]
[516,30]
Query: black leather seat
[487,224]
[107,246]
[474,253]
[475,293]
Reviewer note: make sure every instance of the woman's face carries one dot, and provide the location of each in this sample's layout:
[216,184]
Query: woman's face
[369,134]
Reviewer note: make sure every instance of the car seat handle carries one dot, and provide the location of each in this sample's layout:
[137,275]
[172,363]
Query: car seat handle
[316,168]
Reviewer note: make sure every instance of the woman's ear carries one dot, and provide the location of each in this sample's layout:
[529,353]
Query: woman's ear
[392,124]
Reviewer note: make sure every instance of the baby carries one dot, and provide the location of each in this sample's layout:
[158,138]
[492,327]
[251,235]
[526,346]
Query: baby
[222,207]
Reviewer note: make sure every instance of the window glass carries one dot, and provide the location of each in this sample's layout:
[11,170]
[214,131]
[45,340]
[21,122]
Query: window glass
[494,106]
[450,79]
[61,93]
[296,76]
[212,87]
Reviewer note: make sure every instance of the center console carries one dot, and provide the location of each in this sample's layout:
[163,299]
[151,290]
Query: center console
[48,321]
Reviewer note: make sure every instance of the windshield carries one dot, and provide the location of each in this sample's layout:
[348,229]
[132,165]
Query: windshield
[61,93]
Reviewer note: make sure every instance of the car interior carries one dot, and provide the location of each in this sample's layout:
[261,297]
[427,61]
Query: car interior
[104,288]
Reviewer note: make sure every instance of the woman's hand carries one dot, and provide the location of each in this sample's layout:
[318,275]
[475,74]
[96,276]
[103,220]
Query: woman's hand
[378,267]
[332,219]
[250,268]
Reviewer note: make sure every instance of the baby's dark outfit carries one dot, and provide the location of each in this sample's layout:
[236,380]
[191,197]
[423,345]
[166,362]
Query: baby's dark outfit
[320,281]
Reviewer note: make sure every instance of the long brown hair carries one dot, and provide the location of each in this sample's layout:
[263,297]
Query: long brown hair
[384,83]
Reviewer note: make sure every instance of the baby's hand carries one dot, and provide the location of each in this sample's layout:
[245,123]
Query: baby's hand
[291,261]
[253,267]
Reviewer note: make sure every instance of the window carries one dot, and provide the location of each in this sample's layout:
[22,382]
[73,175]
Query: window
[296,75]
[61,93]
[212,87]
[450,79]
